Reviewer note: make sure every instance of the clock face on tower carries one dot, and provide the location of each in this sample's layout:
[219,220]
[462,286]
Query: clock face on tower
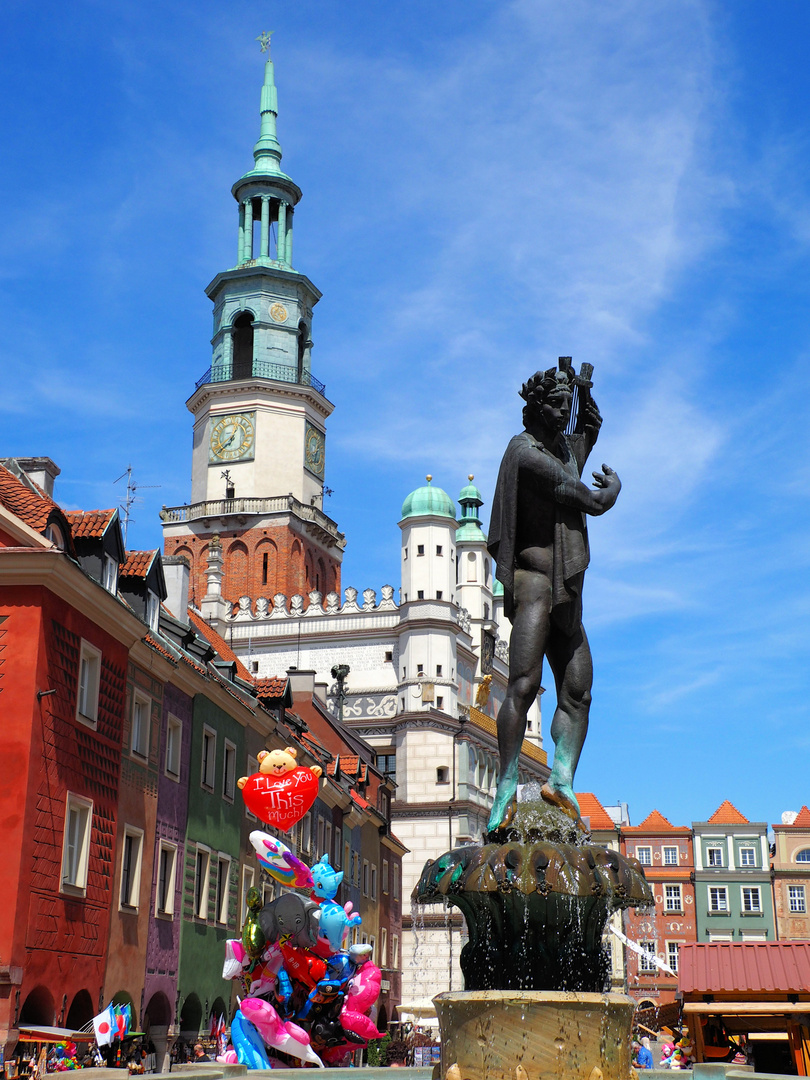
[314,451]
[233,437]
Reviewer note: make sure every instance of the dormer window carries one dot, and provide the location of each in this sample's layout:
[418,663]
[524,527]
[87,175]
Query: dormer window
[152,609]
[56,536]
[110,576]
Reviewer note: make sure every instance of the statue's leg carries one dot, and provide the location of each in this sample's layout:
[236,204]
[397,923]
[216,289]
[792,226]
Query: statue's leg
[530,628]
[569,658]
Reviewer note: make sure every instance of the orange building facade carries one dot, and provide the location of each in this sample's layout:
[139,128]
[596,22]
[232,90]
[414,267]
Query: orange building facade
[665,851]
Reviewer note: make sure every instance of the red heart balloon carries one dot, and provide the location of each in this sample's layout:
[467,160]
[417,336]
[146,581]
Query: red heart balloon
[281,800]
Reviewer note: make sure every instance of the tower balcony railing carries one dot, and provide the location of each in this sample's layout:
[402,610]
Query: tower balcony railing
[276,504]
[261,369]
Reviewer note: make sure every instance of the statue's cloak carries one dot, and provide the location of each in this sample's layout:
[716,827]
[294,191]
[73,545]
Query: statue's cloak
[571,553]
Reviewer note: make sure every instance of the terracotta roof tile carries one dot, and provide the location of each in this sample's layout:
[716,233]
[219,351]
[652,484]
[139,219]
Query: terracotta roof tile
[153,643]
[138,563]
[802,819]
[29,506]
[591,808]
[728,814]
[655,822]
[358,799]
[93,523]
[273,687]
[219,643]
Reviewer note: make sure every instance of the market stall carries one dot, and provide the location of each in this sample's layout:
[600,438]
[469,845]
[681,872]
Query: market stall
[757,989]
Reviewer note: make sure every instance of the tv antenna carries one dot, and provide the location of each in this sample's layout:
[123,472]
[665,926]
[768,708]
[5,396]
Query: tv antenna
[131,498]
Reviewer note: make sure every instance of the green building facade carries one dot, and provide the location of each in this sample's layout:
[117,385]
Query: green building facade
[733,878]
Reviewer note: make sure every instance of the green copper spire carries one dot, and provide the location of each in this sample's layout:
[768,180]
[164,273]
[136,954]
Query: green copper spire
[267,151]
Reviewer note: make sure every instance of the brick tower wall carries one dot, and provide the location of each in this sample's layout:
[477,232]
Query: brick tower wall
[259,562]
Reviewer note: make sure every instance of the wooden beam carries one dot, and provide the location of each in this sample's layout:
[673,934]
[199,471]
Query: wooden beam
[742,1008]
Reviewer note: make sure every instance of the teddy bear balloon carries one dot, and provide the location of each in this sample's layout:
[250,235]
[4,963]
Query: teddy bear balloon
[282,791]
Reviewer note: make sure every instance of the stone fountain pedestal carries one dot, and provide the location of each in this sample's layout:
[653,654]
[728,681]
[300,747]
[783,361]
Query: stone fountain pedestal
[534,1035]
[536,897]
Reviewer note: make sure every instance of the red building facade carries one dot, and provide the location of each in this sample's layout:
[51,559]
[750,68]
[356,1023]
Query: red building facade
[63,693]
[665,851]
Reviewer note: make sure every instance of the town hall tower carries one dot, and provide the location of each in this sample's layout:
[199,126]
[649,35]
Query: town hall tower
[260,414]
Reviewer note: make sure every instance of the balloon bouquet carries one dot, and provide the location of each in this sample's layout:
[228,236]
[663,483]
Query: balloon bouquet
[305,993]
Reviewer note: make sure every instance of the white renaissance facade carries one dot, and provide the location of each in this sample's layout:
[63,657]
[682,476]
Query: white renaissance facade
[405,674]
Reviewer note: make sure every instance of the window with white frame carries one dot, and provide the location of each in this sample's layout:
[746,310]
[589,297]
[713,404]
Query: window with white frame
[718,898]
[751,900]
[646,960]
[803,855]
[753,935]
[141,725]
[152,609]
[382,960]
[229,771]
[673,950]
[670,856]
[167,871]
[223,873]
[338,840]
[248,878]
[76,843]
[174,744]
[268,891]
[365,877]
[672,898]
[110,574]
[644,855]
[796,899]
[720,936]
[202,870]
[356,869]
[209,760]
[748,856]
[131,853]
[347,858]
[252,769]
[89,674]
[394,951]
[320,832]
[327,841]
[385,877]
[373,882]
[306,832]
[714,856]
[395,887]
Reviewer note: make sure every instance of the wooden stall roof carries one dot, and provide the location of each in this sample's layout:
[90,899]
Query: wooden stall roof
[744,969]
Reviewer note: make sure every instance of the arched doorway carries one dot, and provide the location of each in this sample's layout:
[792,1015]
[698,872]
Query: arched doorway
[157,1018]
[81,1011]
[190,1017]
[38,1007]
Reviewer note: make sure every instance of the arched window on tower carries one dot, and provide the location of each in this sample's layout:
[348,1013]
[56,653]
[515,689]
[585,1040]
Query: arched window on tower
[302,348]
[242,367]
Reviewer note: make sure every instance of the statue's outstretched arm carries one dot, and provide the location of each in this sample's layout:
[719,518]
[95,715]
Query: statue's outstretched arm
[559,486]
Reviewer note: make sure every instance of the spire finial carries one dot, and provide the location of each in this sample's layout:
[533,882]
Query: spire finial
[264,40]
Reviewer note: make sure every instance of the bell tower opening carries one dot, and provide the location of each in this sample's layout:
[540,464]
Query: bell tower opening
[302,348]
[243,346]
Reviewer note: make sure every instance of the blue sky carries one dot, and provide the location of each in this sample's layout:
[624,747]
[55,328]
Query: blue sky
[486,186]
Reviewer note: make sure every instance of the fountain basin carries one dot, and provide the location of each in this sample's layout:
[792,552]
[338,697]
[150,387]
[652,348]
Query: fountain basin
[534,1035]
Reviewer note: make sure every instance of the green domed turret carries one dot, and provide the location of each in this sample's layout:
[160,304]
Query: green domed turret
[428,501]
[469,528]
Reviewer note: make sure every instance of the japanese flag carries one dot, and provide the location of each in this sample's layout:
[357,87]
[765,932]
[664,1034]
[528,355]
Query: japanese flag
[105,1026]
